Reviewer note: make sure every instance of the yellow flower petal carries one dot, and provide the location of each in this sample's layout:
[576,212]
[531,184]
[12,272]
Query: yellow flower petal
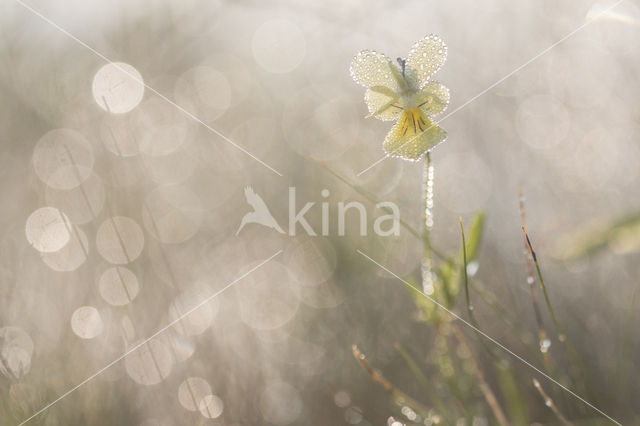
[371,69]
[382,105]
[433,98]
[413,135]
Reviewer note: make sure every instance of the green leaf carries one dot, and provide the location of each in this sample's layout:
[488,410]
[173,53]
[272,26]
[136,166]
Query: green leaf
[473,241]
[450,276]
[622,235]
[514,400]
[474,236]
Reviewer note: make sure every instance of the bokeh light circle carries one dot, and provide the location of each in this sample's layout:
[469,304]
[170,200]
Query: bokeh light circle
[116,134]
[320,122]
[118,285]
[279,46]
[204,91]
[311,260]
[81,204]
[170,169]
[16,350]
[471,176]
[198,320]
[119,240]
[192,391]
[172,214]
[86,322]
[159,127]
[118,87]
[268,297]
[63,159]
[72,255]
[150,363]
[280,403]
[48,229]
[211,407]
[542,121]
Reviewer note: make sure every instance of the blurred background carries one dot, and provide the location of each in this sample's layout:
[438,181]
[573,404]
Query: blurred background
[119,214]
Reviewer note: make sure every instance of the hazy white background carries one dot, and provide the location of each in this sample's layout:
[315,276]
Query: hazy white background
[273,77]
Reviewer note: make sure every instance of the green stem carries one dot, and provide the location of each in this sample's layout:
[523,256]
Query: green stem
[398,396]
[464,271]
[562,337]
[415,369]
[559,330]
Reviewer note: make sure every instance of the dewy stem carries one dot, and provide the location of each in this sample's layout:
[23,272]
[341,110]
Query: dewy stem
[427,195]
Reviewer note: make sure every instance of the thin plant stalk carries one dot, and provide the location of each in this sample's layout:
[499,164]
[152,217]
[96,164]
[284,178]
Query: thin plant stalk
[561,335]
[502,313]
[531,281]
[398,396]
[466,277]
[488,394]
[505,369]
[470,310]
[549,403]
[626,363]
[433,395]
